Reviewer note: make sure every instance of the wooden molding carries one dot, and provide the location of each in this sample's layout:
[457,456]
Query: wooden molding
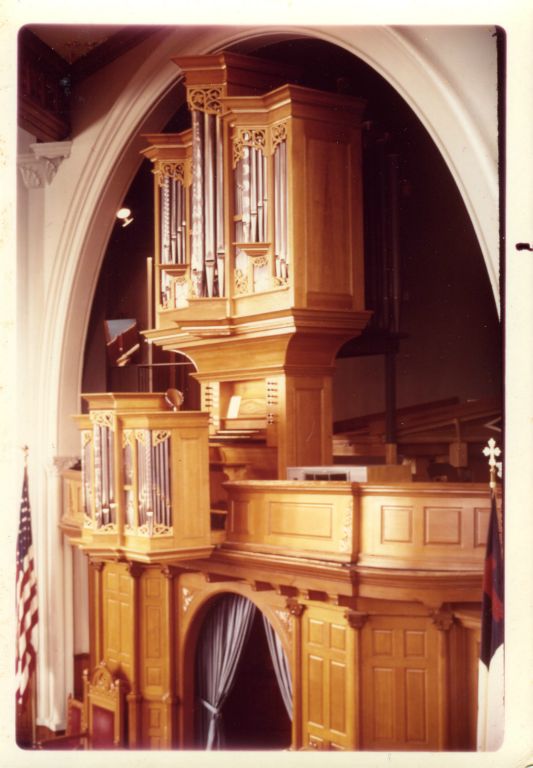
[295,608]
[443,619]
[356,619]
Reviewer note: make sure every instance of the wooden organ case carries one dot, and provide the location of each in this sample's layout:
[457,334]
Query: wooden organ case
[259,253]
[372,588]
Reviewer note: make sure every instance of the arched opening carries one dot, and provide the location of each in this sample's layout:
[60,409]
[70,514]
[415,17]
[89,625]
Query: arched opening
[242,688]
[255,715]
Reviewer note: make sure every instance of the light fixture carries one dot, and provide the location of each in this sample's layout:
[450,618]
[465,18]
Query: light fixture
[124,214]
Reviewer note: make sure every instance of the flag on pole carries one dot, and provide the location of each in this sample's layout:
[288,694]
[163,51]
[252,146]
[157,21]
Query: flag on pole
[491,672]
[26,586]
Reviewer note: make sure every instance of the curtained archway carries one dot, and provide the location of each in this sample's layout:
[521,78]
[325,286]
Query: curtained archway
[243,694]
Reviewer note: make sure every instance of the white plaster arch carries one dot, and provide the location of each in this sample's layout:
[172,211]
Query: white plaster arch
[103,161]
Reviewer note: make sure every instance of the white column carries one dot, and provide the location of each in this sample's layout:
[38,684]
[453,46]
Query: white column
[53,559]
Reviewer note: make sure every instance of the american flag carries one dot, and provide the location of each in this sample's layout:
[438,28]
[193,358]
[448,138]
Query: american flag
[27,613]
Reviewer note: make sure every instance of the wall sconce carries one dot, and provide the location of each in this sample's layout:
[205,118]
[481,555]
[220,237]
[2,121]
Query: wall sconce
[124,215]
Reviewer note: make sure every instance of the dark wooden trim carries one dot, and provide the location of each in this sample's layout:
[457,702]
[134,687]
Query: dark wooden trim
[45,79]
[81,662]
[44,89]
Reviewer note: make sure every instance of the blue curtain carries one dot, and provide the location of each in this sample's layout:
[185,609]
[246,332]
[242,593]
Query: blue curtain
[224,635]
[280,664]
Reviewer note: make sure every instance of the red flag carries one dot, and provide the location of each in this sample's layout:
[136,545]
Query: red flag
[491,662]
[26,585]
[492,605]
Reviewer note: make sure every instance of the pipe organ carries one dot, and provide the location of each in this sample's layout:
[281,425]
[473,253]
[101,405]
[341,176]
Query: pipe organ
[137,468]
[373,588]
[259,236]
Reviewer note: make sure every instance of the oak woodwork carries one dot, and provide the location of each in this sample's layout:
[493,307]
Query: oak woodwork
[129,418]
[285,329]
[329,694]
[403,684]
[424,525]
[104,699]
[72,511]
[373,588]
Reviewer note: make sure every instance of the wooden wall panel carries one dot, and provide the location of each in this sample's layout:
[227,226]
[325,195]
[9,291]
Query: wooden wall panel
[153,719]
[442,525]
[328,675]
[313,519]
[316,691]
[396,524]
[464,662]
[156,664]
[153,647]
[337,682]
[289,519]
[307,410]
[329,177]
[423,526]
[118,619]
[383,695]
[481,526]
[402,684]
[192,491]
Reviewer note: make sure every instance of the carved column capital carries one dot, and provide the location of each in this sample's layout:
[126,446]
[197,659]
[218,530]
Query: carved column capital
[356,619]
[134,569]
[443,619]
[294,607]
[39,166]
[59,464]
[169,571]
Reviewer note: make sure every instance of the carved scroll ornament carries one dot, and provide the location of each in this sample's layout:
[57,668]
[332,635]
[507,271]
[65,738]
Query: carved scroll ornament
[205,99]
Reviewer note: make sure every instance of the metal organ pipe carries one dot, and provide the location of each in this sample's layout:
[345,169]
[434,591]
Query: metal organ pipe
[97,474]
[283,206]
[172,222]
[141,474]
[280,206]
[105,477]
[149,485]
[209,202]
[219,144]
[253,195]
[166,476]
[246,195]
[165,210]
[197,255]
[111,464]
[277,212]
[238,201]
[182,224]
